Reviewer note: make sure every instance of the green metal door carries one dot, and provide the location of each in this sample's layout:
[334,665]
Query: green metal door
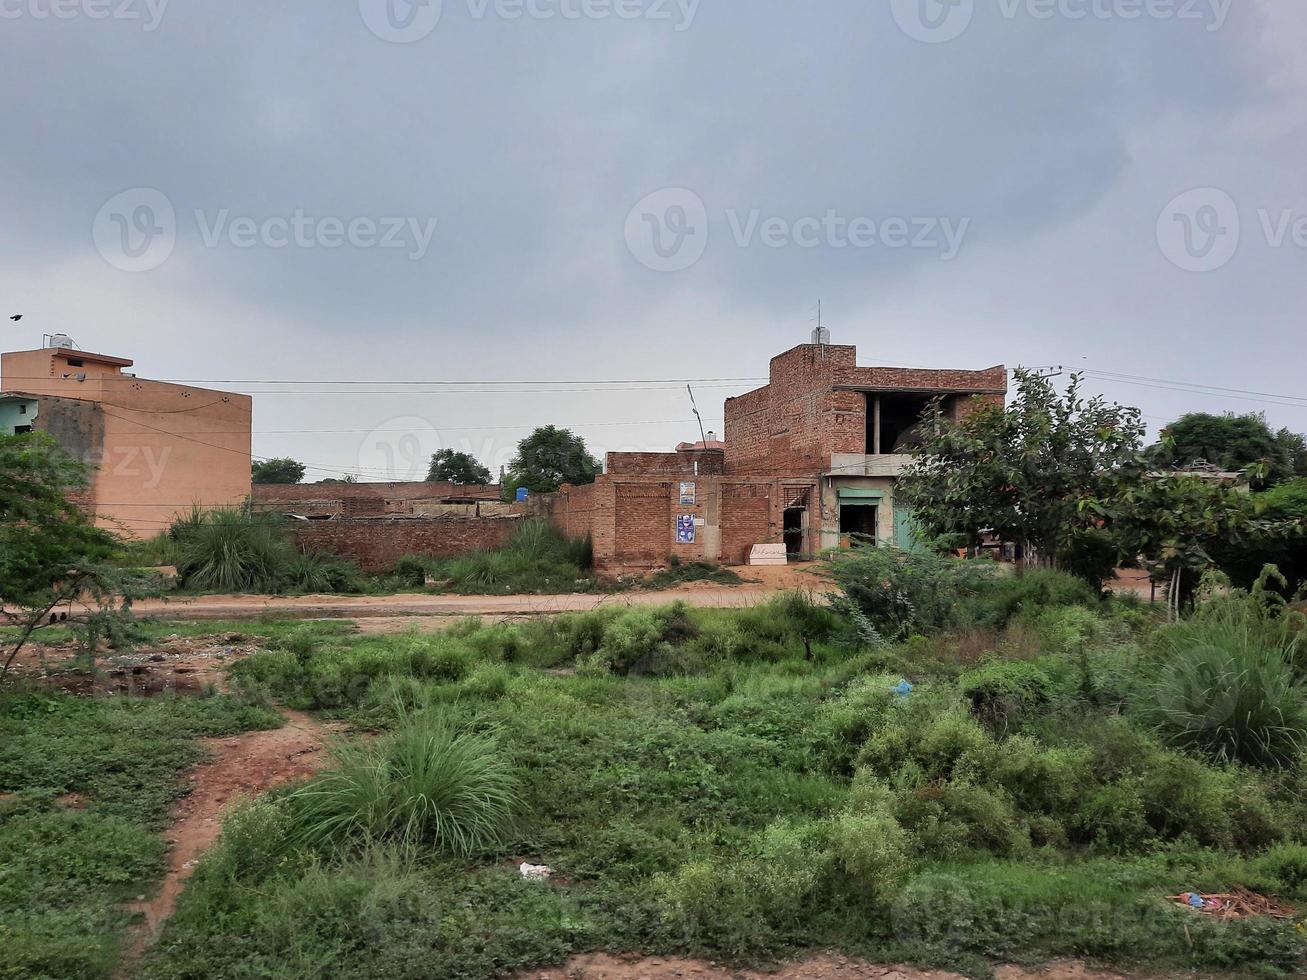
[905,531]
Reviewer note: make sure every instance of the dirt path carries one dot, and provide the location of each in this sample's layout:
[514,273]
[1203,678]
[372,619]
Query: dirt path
[602,966]
[762,583]
[241,766]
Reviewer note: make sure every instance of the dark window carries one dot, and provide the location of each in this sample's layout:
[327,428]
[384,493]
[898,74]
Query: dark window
[900,414]
[22,409]
[859,519]
[75,362]
[20,429]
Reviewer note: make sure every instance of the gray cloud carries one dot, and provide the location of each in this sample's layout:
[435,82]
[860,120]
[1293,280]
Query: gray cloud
[529,141]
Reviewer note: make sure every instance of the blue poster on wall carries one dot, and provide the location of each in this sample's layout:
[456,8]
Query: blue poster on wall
[685,529]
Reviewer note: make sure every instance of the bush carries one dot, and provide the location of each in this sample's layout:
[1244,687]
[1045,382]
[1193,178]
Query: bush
[1004,597]
[1003,693]
[423,784]
[1227,684]
[874,849]
[231,549]
[1286,863]
[538,558]
[320,572]
[898,593]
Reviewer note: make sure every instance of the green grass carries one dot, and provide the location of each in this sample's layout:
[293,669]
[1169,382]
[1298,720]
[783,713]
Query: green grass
[423,784]
[746,785]
[85,788]
[537,559]
[679,573]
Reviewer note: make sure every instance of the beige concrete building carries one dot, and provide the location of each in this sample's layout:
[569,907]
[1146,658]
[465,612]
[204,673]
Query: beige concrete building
[156,448]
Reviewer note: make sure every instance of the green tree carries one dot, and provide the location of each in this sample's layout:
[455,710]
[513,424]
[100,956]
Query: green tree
[1177,527]
[282,470]
[548,458]
[460,469]
[51,555]
[1024,471]
[1234,443]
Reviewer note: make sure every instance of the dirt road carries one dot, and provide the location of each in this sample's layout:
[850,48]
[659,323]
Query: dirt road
[240,767]
[761,584]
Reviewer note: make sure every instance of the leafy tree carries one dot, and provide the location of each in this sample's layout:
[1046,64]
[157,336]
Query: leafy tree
[1285,508]
[548,458]
[282,470]
[1234,443]
[1024,471]
[460,469]
[1177,527]
[51,555]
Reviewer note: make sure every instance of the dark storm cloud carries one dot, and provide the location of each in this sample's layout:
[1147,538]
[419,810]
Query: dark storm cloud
[1048,144]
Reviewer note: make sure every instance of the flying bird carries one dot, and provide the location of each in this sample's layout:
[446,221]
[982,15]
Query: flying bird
[16,317]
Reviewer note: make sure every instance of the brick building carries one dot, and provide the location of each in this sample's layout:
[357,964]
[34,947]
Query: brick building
[155,448]
[809,459]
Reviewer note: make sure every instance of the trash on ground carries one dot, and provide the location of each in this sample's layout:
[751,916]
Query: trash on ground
[534,872]
[1237,904]
[903,688]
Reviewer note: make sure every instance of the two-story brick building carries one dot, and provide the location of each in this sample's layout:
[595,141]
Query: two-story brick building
[809,459]
[155,449]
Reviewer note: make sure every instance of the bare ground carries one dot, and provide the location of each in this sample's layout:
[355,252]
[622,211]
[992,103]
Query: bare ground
[760,584]
[240,767]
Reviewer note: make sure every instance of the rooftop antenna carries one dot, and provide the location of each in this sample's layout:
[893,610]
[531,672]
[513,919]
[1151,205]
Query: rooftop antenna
[695,409]
[820,336]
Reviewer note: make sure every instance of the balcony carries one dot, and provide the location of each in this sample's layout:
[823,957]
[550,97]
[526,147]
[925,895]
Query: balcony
[856,464]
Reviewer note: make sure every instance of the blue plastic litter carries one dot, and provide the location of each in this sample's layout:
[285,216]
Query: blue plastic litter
[1196,901]
[903,688]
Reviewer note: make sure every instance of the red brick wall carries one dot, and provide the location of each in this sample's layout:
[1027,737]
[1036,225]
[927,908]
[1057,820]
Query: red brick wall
[283,493]
[803,415]
[572,510]
[710,462]
[642,524]
[625,464]
[746,520]
[377,543]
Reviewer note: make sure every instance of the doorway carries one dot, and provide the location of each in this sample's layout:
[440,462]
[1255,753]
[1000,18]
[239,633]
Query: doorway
[858,524]
[795,520]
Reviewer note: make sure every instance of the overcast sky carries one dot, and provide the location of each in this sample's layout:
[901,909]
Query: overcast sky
[638,190]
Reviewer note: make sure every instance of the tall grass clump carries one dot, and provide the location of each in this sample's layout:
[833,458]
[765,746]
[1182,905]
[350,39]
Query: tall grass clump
[1230,682]
[426,783]
[232,549]
[538,558]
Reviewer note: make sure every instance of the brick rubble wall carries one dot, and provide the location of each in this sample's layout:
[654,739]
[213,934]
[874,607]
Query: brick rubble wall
[377,543]
[284,493]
